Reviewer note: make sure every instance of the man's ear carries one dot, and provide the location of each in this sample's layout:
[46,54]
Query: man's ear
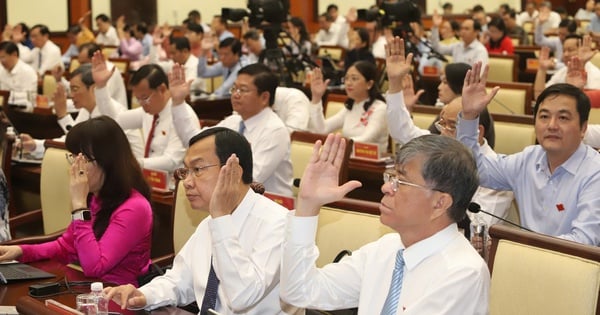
[441,203]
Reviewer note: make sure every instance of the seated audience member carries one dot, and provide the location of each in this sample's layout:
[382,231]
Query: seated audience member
[556,183]
[231,262]
[513,29]
[195,34]
[301,40]
[469,50]
[195,17]
[253,43]
[402,129]
[571,48]
[555,43]
[447,7]
[107,34]
[82,94]
[359,42]
[15,75]
[363,115]
[429,62]
[529,14]
[292,107]
[219,27]
[230,62]
[498,41]
[479,15]
[252,97]
[427,267]
[101,238]
[19,34]
[594,26]
[330,33]
[129,46]
[163,150]
[140,31]
[78,35]
[4,199]
[179,50]
[587,12]
[551,18]
[45,55]
[449,32]
[377,38]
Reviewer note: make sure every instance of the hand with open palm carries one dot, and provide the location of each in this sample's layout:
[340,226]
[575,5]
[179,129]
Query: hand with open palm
[474,96]
[396,64]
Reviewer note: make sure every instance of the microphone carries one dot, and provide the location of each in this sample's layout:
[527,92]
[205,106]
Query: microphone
[504,106]
[296,182]
[475,208]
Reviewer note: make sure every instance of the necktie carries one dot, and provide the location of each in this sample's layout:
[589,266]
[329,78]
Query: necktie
[150,136]
[40,60]
[391,302]
[242,128]
[210,294]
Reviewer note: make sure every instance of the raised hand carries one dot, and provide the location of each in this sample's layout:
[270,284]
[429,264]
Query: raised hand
[100,72]
[79,182]
[318,86]
[226,195]
[544,15]
[319,183]
[585,52]
[157,37]
[60,101]
[544,61]
[576,74]
[127,296]
[178,86]
[474,96]
[410,98]
[396,65]
[437,19]
[83,18]
[57,73]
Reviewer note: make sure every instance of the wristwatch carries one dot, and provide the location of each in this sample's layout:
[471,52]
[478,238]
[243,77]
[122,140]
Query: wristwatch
[82,215]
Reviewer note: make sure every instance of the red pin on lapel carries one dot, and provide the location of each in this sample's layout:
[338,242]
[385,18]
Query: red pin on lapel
[560,207]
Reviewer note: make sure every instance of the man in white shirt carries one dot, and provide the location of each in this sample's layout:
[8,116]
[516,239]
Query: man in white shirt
[469,50]
[46,54]
[330,33]
[529,14]
[231,262]
[163,150]
[252,96]
[107,34]
[293,107]
[551,18]
[180,52]
[427,267]
[15,75]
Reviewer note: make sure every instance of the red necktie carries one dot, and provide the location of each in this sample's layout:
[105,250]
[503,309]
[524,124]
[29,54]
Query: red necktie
[150,136]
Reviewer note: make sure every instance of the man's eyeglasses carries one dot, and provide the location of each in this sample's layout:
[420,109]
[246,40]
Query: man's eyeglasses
[71,158]
[147,99]
[239,91]
[183,172]
[395,182]
[442,125]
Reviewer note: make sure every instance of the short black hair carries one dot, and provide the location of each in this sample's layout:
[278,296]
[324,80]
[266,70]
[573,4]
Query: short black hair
[578,37]
[234,43]
[194,14]
[228,142]
[478,8]
[263,78]
[91,49]
[85,71]
[511,13]
[252,34]
[44,30]
[24,28]
[142,27]
[196,28]
[327,17]
[180,43]
[9,48]
[74,29]
[102,17]
[447,5]
[332,6]
[581,99]
[151,72]
[569,24]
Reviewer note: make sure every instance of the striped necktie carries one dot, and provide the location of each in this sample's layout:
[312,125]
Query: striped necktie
[242,127]
[390,306]
[210,294]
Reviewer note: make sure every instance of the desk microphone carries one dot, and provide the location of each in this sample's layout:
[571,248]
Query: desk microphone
[296,182]
[475,208]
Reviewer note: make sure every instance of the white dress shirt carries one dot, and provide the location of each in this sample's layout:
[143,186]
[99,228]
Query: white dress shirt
[166,150]
[115,85]
[269,140]
[291,105]
[246,254]
[592,136]
[359,125]
[25,54]
[378,48]
[469,54]
[110,38]
[443,274]
[402,129]
[593,77]
[51,57]
[22,78]
[334,36]
[525,17]
[190,66]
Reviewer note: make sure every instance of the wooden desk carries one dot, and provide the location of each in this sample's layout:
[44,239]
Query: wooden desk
[215,109]
[11,293]
[370,174]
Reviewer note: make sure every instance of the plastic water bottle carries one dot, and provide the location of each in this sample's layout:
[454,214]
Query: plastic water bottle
[101,301]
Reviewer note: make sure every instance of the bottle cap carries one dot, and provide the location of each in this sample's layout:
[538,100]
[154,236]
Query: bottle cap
[97,286]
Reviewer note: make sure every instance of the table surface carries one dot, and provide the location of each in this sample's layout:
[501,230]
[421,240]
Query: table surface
[10,293]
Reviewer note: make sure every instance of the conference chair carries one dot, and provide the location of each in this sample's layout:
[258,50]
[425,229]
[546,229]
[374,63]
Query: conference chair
[539,274]
[513,132]
[503,68]
[109,51]
[513,98]
[334,103]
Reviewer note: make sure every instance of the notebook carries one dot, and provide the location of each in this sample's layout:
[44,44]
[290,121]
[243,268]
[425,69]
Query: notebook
[17,271]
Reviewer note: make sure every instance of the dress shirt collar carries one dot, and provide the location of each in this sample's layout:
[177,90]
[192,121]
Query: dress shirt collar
[421,250]
[165,112]
[242,211]
[257,120]
[17,68]
[472,45]
[571,165]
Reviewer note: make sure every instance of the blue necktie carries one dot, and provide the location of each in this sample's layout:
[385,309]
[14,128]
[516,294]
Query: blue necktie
[210,294]
[390,306]
[242,128]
